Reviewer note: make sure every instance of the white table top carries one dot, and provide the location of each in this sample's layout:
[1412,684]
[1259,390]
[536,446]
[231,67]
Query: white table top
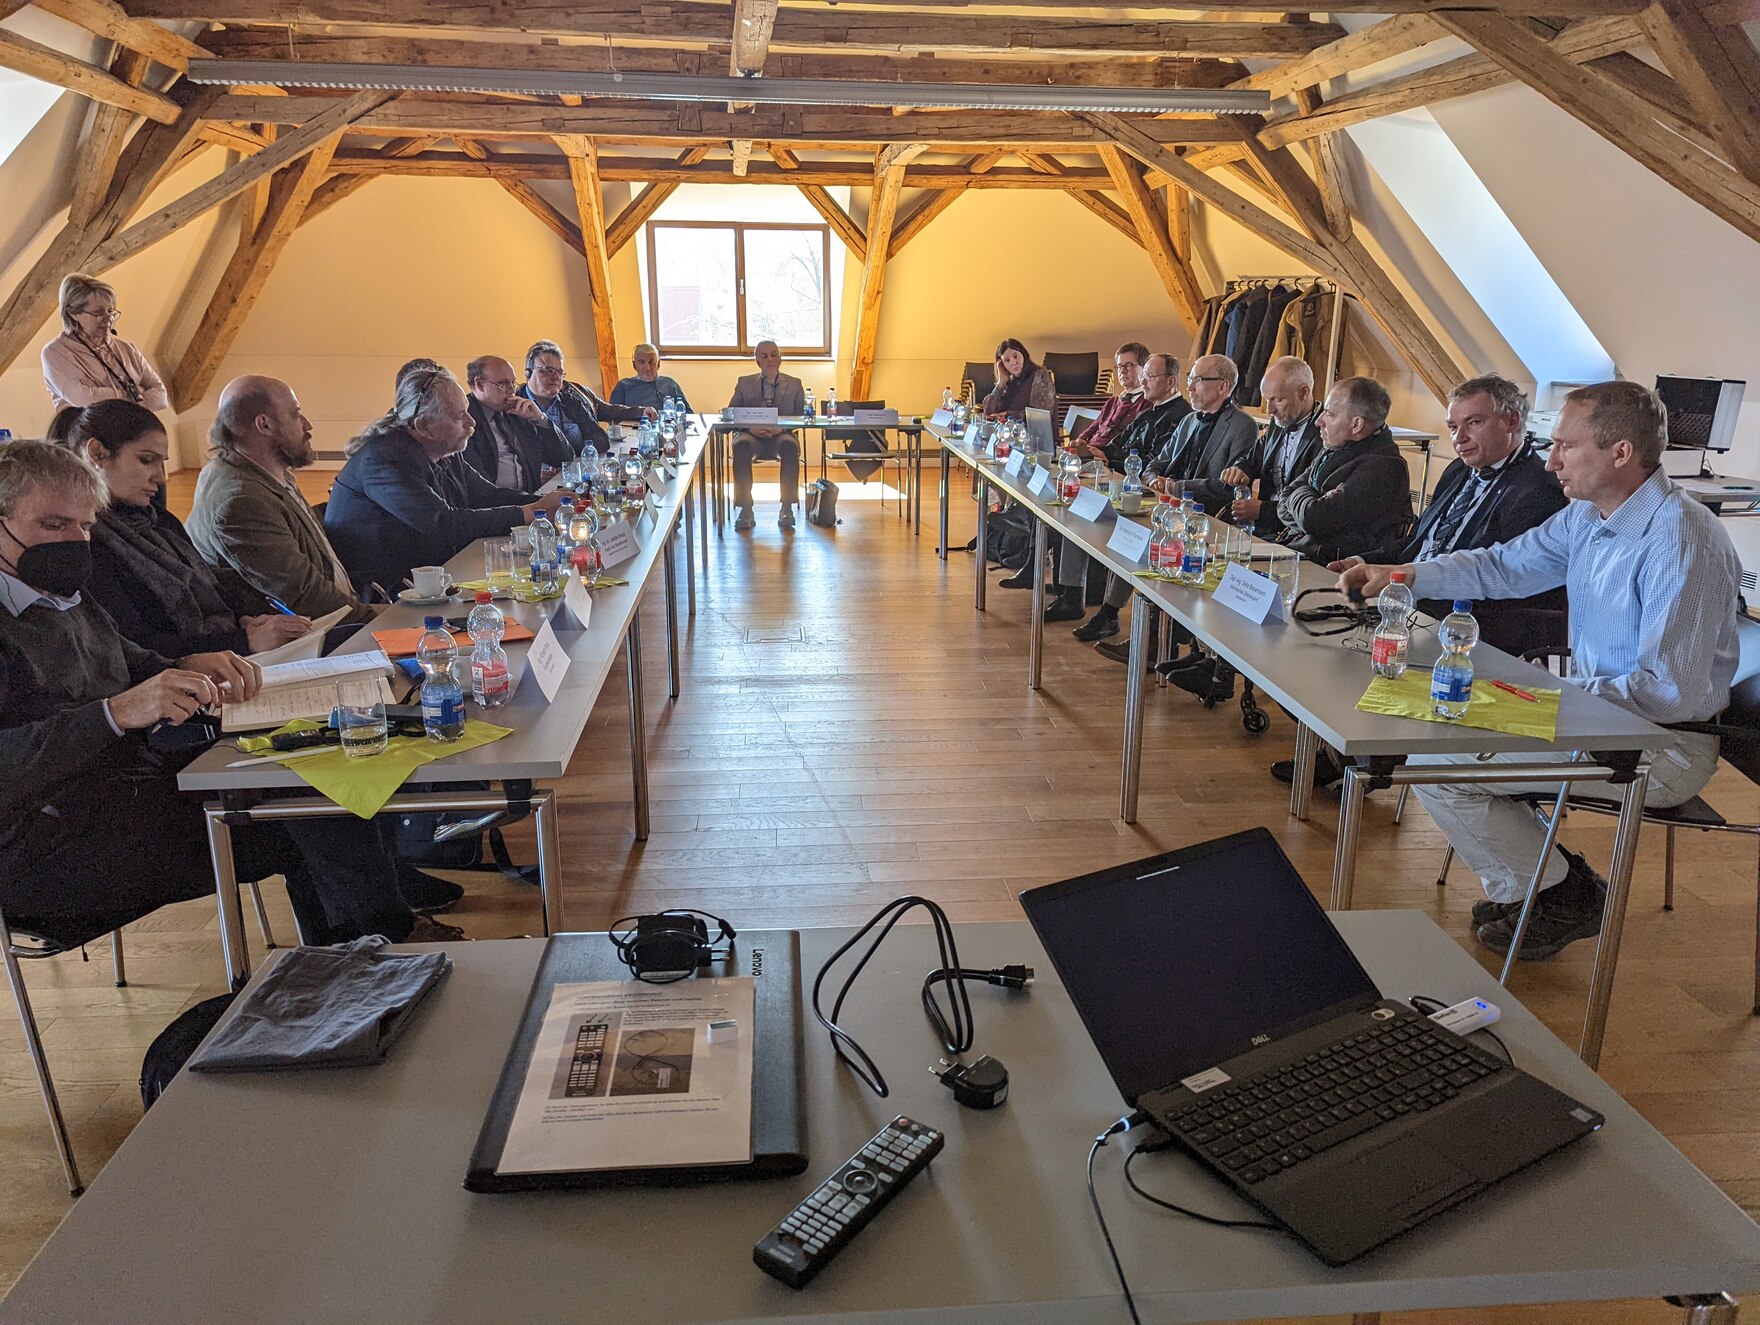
[337,1195]
[1319,681]
[544,734]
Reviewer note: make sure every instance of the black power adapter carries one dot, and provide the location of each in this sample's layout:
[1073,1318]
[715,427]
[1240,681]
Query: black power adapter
[979,1085]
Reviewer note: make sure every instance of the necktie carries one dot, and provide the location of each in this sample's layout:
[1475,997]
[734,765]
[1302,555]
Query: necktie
[1448,528]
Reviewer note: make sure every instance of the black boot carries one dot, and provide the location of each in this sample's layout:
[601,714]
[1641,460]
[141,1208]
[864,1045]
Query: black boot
[1022,578]
[1067,607]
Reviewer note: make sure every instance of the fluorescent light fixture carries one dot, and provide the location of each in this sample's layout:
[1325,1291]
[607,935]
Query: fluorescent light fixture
[757,91]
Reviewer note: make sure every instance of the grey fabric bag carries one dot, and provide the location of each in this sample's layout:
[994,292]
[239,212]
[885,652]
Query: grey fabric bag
[324,1007]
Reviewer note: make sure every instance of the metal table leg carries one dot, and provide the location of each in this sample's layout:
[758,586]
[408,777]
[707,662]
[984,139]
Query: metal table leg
[232,941]
[700,480]
[548,833]
[1350,823]
[1707,1308]
[946,483]
[981,578]
[1301,787]
[1613,918]
[638,740]
[690,550]
[671,615]
[1133,712]
[1036,637]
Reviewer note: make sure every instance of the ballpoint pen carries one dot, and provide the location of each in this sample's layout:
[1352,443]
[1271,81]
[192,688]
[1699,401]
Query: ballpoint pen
[1517,691]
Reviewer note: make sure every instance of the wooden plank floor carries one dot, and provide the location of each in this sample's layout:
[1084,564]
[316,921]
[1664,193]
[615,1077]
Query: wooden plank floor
[850,730]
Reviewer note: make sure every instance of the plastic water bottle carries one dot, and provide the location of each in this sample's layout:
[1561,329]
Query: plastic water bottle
[808,410]
[1451,683]
[1166,547]
[589,470]
[831,403]
[947,400]
[1393,638]
[1002,440]
[583,558]
[491,682]
[544,555]
[635,486]
[1069,478]
[442,699]
[564,538]
[1133,471]
[1195,556]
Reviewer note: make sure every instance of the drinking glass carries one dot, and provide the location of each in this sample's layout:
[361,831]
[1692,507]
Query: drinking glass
[521,544]
[360,718]
[498,564]
[1242,549]
[1284,568]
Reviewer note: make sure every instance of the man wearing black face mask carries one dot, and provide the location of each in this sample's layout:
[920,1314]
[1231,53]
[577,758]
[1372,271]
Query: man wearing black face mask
[93,831]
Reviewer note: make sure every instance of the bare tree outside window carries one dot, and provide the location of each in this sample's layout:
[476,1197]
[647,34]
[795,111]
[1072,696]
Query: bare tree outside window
[721,287]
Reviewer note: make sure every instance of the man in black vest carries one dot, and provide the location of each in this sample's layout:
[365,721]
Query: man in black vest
[1284,452]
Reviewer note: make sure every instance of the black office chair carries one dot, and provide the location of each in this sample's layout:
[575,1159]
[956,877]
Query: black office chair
[1075,374]
[851,443]
[981,376]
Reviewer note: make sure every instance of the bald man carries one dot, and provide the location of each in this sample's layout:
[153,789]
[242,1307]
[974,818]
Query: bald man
[249,513]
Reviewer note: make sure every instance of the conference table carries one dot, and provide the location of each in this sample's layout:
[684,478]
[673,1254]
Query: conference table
[723,428]
[336,1195]
[545,733]
[1318,681]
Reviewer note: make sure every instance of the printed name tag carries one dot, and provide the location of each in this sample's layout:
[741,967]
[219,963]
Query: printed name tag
[971,437]
[1092,504]
[1040,484]
[547,661]
[1253,595]
[877,417]
[657,477]
[617,543]
[1130,540]
[751,414]
[577,600]
[941,418]
[1017,461]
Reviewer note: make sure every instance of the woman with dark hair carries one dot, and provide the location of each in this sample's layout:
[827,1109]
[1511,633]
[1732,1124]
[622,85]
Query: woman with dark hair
[1020,384]
[145,571]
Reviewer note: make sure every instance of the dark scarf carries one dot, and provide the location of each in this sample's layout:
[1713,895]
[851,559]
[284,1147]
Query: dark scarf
[150,549]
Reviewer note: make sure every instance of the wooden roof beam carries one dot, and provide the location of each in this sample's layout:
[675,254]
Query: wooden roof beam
[939,201]
[583,168]
[526,196]
[854,238]
[1151,227]
[1357,50]
[25,56]
[1718,69]
[636,212]
[337,187]
[106,18]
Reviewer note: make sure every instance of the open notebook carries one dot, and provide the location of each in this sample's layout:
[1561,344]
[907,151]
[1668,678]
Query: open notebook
[304,689]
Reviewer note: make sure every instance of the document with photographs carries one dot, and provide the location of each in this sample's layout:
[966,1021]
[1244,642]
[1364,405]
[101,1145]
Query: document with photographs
[625,1075]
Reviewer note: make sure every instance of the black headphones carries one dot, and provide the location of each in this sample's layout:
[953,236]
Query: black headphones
[669,945]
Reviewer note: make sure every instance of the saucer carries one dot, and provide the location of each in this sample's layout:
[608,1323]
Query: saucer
[411,597]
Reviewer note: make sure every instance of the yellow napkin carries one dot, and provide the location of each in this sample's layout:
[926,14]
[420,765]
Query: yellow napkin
[1213,574]
[363,785]
[1490,708]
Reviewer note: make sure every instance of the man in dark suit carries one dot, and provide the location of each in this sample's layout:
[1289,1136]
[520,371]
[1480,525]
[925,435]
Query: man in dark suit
[1286,450]
[768,388]
[396,504]
[574,411]
[512,443]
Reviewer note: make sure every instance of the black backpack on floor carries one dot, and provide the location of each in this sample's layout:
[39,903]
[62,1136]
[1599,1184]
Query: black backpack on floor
[822,503]
[172,1048]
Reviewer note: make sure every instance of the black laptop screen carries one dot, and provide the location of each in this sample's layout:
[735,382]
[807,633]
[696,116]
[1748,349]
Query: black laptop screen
[1182,961]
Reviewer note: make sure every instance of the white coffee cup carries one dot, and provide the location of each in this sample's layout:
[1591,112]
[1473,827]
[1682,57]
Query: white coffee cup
[429,581]
[1131,503]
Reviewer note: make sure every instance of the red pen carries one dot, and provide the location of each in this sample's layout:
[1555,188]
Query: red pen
[1518,693]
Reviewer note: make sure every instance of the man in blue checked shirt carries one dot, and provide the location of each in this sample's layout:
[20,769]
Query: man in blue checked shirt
[1652,581]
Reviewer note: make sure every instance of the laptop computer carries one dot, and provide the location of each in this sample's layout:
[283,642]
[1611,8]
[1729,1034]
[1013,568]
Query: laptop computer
[1228,1008]
[1041,432]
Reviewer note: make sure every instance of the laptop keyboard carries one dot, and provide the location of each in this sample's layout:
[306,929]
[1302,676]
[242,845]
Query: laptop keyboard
[1262,1125]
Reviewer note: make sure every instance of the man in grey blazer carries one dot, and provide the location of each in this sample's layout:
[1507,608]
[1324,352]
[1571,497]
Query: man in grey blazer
[768,388]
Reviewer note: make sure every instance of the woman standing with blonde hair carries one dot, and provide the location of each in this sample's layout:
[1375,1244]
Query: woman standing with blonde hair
[88,361]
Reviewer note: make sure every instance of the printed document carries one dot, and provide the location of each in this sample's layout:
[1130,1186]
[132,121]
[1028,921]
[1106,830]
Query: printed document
[623,1076]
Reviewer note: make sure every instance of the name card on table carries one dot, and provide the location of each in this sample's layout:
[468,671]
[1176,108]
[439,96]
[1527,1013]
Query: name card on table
[1040,484]
[1092,505]
[884,418]
[547,662]
[1254,596]
[577,600]
[617,543]
[750,414]
[651,503]
[1017,461]
[941,418]
[1130,540]
[971,437]
[658,477]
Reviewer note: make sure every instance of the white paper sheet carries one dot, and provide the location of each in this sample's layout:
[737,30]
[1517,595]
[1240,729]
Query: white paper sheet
[309,670]
[623,1076]
[284,703]
[306,646]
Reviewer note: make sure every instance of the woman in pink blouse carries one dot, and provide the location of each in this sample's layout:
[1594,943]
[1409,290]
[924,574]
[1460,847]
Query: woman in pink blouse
[88,362]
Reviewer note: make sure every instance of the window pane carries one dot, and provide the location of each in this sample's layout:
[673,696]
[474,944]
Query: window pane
[694,286]
[785,287]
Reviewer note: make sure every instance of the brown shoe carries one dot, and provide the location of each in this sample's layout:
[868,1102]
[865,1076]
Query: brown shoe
[429,930]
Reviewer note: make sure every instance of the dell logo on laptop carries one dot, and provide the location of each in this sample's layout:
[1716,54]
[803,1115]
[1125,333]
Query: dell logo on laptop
[1261,1039]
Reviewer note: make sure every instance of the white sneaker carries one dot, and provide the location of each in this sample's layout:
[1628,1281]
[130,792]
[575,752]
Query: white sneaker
[744,519]
[786,519]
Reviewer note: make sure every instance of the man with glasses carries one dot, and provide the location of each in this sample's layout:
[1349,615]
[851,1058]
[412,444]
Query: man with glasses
[768,388]
[575,412]
[513,444]
[1213,437]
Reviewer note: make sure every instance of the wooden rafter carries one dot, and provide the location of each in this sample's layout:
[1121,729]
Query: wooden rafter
[932,206]
[882,212]
[782,156]
[105,136]
[741,149]
[636,212]
[689,22]
[1357,50]
[148,158]
[233,181]
[854,238]
[105,18]
[1659,92]
[1088,200]
[583,169]
[246,275]
[753,22]
[338,187]
[1718,70]
[1604,108]
[534,202]
[25,56]
[1329,172]
[1151,227]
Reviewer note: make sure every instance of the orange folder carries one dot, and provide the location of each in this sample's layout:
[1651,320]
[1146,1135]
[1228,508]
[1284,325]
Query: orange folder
[402,643]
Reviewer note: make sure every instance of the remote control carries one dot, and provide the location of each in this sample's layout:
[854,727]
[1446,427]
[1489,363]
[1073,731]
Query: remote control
[841,1206]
